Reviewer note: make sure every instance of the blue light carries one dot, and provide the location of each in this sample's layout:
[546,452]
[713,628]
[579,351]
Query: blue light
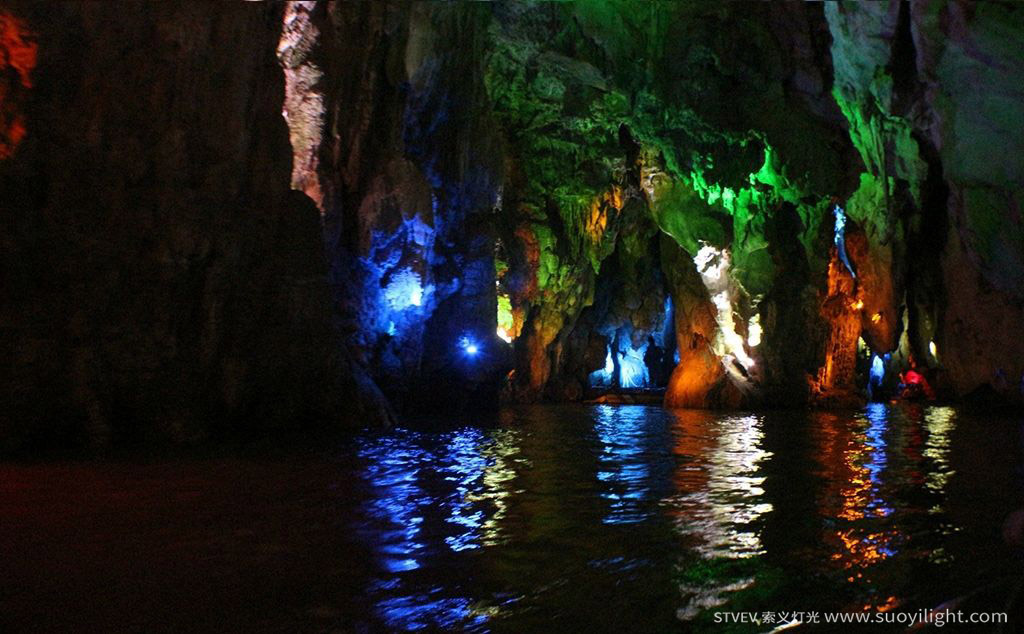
[877,370]
[404,290]
[469,346]
[876,376]
[624,468]
[633,370]
[602,377]
[840,238]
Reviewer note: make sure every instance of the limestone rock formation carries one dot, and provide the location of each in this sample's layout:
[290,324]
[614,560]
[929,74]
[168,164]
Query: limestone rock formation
[218,218]
[161,280]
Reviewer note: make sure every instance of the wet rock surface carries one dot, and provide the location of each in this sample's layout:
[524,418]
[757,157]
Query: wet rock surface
[216,219]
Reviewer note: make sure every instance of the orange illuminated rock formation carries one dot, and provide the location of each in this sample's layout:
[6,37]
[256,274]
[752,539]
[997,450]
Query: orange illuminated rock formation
[17,60]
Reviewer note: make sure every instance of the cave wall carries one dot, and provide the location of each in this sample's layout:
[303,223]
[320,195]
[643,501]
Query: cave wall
[711,136]
[161,279]
[765,119]
[180,260]
[392,134]
[932,94]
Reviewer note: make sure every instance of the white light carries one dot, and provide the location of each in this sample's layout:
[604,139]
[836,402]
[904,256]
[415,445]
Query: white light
[713,265]
[721,301]
[503,335]
[932,348]
[416,297]
[710,263]
[633,371]
[754,331]
[471,348]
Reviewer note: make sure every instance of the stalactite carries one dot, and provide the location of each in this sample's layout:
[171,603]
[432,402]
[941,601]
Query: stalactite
[841,310]
[304,101]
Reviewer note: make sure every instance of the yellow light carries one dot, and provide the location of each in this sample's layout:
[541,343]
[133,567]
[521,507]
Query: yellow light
[877,317]
[857,305]
[933,349]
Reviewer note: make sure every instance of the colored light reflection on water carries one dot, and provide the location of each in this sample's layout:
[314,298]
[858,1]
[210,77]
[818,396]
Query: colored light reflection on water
[550,518]
[506,527]
[855,458]
[623,468]
[720,499]
[451,485]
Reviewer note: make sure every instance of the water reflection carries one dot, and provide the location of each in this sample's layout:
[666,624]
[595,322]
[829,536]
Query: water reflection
[873,475]
[508,527]
[718,507]
[939,421]
[392,469]
[465,471]
[550,519]
[624,469]
[431,494]
[854,461]
[719,495]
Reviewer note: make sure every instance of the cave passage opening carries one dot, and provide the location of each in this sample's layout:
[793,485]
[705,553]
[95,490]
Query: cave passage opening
[643,366]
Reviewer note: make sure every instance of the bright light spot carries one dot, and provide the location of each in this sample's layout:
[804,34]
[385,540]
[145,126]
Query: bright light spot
[933,349]
[840,238]
[713,265]
[857,305]
[633,371]
[877,369]
[840,223]
[603,376]
[877,317]
[754,331]
[404,290]
[721,301]
[506,320]
[469,346]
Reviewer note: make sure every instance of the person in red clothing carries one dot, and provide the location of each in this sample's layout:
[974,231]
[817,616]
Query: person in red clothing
[913,384]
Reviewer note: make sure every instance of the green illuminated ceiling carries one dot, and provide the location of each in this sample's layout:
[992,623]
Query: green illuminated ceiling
[699,87]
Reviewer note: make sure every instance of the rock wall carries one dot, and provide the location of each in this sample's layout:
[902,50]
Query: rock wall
[161,280]
[180,260]
[709,136]
[747,126]
[391,130]
[930,89]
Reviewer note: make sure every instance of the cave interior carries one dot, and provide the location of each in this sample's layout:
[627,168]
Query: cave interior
[735,278]
[373,209]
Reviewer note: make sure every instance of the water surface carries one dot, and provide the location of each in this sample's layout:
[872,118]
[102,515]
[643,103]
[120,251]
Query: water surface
[552,518]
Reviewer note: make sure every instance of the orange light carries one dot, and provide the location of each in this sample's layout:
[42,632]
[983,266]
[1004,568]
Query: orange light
[889,604]
[857,305]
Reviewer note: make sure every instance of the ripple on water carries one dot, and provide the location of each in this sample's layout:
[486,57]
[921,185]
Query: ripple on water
[686,512]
